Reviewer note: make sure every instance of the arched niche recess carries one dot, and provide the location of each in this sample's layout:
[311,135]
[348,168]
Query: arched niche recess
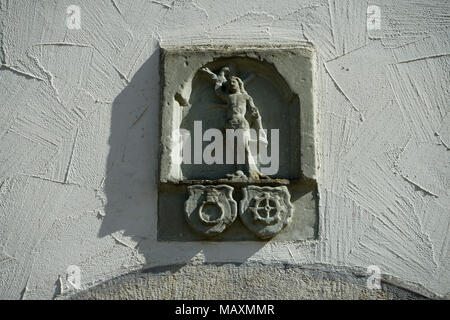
[278,105]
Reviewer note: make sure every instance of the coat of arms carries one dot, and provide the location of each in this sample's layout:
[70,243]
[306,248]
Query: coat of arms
[210,209]
[265,210]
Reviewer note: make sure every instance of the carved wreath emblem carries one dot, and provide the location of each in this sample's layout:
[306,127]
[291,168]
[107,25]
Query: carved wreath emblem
[266,210]
[211,201]
[210,209]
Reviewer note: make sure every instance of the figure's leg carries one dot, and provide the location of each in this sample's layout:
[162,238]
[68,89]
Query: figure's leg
[239,168]
[251,157]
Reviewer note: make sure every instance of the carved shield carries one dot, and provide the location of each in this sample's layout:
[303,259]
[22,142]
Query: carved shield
[266,210]
[210,209]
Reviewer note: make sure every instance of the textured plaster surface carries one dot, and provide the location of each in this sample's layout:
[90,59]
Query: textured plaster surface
[79,136]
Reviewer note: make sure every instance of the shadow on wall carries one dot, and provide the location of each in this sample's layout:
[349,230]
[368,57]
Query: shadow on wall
[131,180]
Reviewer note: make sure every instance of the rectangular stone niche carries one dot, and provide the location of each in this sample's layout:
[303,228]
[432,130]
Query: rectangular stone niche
[238,144]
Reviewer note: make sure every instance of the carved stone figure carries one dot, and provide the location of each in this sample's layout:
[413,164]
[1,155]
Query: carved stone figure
[210,209]
[242,114]
[266,210]
[208,156]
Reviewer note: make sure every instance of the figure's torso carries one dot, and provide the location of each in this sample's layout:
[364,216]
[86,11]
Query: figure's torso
[236,111]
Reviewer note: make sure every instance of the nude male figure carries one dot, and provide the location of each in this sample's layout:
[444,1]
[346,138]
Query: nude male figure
[242,114]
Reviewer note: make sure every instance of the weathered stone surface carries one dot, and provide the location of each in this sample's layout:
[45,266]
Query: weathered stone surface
[263,97]
[266,210]
[210,209]
[172,225]
[279,78]
[242,281]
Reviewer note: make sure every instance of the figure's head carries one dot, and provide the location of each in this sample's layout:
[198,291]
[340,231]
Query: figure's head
[236,85]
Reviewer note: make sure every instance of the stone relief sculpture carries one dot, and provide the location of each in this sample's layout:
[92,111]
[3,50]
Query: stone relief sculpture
[266,210]
[210,209]
[232,189]
[242,115]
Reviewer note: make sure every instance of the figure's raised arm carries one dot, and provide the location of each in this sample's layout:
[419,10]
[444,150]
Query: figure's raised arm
[219,80]
[212,75]
[220,93]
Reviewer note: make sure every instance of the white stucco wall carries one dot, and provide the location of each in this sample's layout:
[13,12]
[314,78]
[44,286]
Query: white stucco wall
[79,136]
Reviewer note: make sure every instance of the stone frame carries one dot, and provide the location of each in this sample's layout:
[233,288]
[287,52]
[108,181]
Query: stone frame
[178,67]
